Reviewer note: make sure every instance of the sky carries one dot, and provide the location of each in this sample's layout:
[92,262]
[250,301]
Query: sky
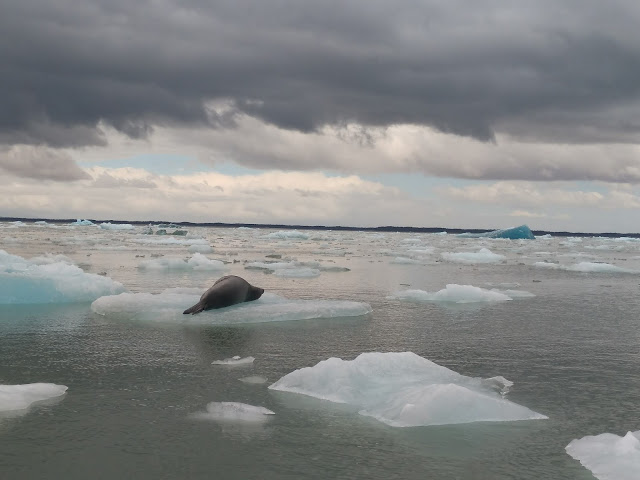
[459,114]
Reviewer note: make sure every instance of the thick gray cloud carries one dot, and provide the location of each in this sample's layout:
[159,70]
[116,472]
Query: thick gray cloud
[39,163]
[561,70]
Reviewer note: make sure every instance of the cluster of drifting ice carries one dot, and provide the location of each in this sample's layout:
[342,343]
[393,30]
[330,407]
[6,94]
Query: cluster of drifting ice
[234,361]
[453,293]
[170,241]
[287,235]
[608,456]
[234,412]
[26,282]
[196,262]
[405,390]
[585,267]
[82,222]
[116,226]
[169,305]
[484,255]
[20,397]
[523,232]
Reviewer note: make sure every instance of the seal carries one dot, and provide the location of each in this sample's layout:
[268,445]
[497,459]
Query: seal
[227,291]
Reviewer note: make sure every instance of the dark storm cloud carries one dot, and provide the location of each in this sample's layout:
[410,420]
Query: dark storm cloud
[39,163]
[538,70]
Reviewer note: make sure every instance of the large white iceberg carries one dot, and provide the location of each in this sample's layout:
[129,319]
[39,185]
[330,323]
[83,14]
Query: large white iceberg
[169,305]
[405,390]
[20,397]
[28,282]
[609,456]
[484,255]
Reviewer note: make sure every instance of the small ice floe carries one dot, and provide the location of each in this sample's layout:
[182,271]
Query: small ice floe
[20,397]
[585,267]
[196,262]
[234,361]
[454,293]
[287,235]
[116,226]
[484,255]
[197,248]
[26,282]
[168,306]
[406,390]
[284,269]
[234,412]
[254,380]
[609,456]
[80,222]
[406,261]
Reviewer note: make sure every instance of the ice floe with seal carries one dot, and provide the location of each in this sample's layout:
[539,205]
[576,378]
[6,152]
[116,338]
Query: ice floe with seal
[234,412]
[196,262]
[20,397]
[402,389]
[585,267]
[168,306]
[609,456]
[454,293]
[484,255]
[234,361]
[31,282]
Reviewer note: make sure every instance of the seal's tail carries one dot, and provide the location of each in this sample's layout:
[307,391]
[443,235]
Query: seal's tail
[197,308]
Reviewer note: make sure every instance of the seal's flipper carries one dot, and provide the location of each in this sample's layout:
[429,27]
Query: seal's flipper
[197,308]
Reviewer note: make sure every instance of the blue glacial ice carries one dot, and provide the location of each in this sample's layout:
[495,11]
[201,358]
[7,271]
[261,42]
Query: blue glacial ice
[234,412]
[454,293]
[515,233]
[609,456]
[406,390]
[168,306]
[196,262]
[484,255]
[36,282]
[20,397]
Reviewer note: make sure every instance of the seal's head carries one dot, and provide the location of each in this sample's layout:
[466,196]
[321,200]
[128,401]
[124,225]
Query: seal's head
[254,293]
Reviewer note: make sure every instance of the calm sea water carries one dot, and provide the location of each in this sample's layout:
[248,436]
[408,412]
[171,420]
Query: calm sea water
[572,352]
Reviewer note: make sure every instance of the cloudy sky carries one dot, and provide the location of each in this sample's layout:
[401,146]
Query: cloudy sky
[464,113]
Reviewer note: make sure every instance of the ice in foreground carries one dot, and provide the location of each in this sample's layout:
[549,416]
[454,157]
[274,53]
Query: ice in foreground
[609,456]
[20,397]
[234,412]
[169,305]
[29,282]
[405,390]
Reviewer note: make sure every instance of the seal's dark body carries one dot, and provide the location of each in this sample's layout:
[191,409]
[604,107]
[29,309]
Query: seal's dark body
[225,292]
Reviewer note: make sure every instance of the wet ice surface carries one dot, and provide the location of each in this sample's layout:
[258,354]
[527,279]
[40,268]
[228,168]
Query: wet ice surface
[234,412]
[609,456]
[21,397]
[138,372]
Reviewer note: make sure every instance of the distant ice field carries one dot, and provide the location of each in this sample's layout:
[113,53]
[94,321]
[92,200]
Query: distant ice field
[390,355]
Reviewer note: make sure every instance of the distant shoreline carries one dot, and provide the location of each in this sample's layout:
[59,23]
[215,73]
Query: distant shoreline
[454,231]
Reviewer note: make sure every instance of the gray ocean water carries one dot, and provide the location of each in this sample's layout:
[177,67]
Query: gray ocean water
[572,351]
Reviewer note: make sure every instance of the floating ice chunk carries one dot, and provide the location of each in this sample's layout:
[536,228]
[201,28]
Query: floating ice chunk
[546,236]
[116,226]
[453,293]
[285,269]
[20,397]
[171,241]
[404,390]
[254,380]
[233,361]
[25,282]
[406,261]
[608,456]
[169,305]
[514,293]
[484,255]
[287,235]
[301,272]
[196,262]
[197,248]
[586,267]
[523,232]
[82,222]
[234,412]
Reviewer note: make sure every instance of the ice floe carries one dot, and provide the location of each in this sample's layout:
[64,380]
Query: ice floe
[200,248]
[454,293]
[405,390]
[26,282]
[116,226]
[234,412]
[80,222]
[169,305]
[196,262]
[233,361]
[287,235]
[484,255]
[523,232]
[585,267]
[170,241]
[20,397]
[609,456]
